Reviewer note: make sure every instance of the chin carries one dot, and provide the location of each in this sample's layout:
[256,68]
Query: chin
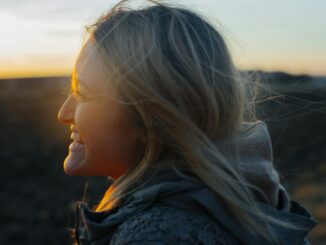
[73,167]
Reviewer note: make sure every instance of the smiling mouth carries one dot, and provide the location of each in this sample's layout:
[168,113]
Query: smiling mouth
[77,138]
[78,144]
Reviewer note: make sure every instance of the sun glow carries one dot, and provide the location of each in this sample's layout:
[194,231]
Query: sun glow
[38,40]
[33,48]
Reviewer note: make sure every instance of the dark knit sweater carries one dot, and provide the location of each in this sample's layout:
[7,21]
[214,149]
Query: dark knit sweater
[171,210]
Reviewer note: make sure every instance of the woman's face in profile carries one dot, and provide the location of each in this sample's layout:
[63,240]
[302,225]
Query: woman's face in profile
[110,141]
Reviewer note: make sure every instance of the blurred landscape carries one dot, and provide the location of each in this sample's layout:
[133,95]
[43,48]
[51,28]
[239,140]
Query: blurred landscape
[37,198]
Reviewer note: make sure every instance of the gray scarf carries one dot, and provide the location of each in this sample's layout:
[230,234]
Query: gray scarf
[167,187]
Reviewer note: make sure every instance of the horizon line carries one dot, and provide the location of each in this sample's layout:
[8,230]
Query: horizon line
[64,74]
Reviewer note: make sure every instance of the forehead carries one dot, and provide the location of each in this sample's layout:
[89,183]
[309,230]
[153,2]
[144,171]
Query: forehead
[89,70]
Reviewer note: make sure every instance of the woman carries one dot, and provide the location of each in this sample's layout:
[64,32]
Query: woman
[157,105]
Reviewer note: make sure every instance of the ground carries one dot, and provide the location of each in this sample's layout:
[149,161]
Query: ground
[37,198]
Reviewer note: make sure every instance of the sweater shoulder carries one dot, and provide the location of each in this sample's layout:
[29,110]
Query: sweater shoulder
[162,224]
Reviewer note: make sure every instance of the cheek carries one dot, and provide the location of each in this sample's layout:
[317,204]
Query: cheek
[111,142]
[104,136]
[90,121]
[109,153]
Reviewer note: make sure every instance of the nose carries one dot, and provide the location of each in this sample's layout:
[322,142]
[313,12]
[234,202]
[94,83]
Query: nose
[66,112]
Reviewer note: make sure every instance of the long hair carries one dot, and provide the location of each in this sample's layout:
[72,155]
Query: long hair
[173,71]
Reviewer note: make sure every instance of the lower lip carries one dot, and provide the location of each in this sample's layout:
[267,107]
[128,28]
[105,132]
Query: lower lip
[74,162]
[76,147]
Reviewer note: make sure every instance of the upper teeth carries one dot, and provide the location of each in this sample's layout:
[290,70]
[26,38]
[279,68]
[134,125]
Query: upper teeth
[76,137]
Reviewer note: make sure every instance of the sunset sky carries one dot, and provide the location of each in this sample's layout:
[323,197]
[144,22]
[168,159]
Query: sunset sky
[43,38]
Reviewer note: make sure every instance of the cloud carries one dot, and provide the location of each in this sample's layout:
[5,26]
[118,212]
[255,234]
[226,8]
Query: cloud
[52,10]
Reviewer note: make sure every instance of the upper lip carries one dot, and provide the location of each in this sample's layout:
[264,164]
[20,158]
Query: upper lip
[73,129]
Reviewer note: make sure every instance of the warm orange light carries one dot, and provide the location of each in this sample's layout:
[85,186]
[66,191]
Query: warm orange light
[74,83]
[34,68]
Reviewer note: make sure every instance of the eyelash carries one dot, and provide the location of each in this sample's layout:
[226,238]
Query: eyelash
[68,91]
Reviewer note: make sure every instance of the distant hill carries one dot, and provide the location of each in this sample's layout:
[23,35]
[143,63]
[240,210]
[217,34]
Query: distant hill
[280,81]
[284,82]
[32,87]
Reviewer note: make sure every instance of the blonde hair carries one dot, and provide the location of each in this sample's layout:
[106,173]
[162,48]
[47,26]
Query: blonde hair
[173,71]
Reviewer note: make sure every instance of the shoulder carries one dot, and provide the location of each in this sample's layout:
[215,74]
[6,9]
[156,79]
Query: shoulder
[161,224]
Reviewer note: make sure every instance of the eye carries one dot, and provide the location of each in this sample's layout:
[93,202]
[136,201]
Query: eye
[82,97]
[79,96]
